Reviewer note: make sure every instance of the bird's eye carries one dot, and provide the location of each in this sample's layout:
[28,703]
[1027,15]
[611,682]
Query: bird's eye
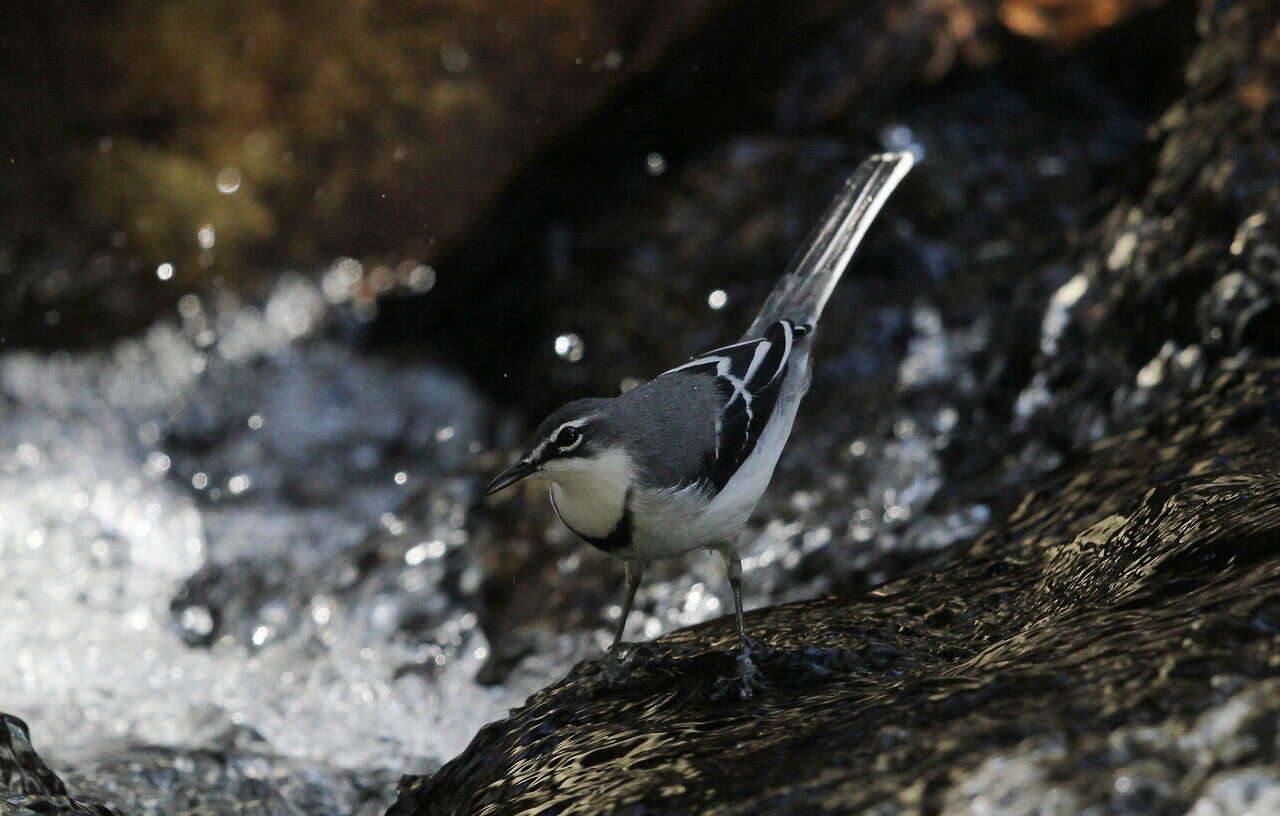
[569,437]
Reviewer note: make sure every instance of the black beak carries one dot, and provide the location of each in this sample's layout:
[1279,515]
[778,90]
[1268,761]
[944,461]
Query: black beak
[511,475]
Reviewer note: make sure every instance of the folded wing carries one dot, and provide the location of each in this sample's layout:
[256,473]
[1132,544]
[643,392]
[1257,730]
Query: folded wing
[749,376]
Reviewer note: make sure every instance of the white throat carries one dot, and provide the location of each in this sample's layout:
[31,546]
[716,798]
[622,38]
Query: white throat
[590,493]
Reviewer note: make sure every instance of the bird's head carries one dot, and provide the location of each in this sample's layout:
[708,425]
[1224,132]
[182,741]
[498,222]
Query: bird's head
[573,442]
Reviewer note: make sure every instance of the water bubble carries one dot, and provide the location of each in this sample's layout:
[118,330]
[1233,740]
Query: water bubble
[206,236]
[569,346]
[340,282]
[613,60]
[164,271]
[321,612]
[655,164]
[238,484]
[200,480]
[717,299]
[901,138]
[254,422]
[421,278]
[454,58]
[401,477]
[1051,166]
[188,306]
[256,143]
[228,180]
[197,620]
[28,454]
[1122,251]
[157,464]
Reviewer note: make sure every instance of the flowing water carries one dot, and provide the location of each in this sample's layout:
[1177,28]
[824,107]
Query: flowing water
[236,447]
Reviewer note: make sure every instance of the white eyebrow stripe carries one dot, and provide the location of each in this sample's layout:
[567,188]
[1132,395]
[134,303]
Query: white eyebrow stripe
[536,453]
[573,423]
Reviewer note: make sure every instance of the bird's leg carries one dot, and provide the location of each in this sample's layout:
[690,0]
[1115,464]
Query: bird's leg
[733,567]
[634,572]
[749,676]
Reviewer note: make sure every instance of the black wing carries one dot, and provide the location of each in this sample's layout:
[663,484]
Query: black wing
[750,377]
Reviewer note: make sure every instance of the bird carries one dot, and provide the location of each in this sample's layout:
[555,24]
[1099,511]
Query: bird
[680,462]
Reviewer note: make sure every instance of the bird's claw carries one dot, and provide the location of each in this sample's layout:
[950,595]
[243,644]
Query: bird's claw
[616,660]
[747,679]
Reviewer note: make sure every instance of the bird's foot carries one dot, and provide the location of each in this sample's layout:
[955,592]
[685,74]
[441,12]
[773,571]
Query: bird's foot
[618,660]
[748,680]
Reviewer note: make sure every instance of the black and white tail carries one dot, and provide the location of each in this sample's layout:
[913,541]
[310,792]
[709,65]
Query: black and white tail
[802,292]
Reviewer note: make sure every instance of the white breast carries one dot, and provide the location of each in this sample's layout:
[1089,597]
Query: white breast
[590,493]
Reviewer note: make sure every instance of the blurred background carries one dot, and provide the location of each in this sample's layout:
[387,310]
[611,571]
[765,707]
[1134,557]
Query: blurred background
[282,283]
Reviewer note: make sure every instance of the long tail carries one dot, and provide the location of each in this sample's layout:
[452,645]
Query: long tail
[803,291]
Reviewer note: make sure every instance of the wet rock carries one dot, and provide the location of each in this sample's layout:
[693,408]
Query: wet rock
[1107,644]
[908,441]
[1064,657]
[1178,274]
[241,779]
[27,785]
[557,242]
[215,141]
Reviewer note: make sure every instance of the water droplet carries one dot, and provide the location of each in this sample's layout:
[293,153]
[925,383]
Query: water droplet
[164,271]
[206,236]
[655,164]
[569,346]
[197,620]
[421,278]
[1122,251]
[200,480]
[228,180]
[401,477]
[613,60]
[28,454]
[717,299]
[340,282]
[254,422]
[238,484]
[189,306]
[454,58]
[901,138]
[157,464]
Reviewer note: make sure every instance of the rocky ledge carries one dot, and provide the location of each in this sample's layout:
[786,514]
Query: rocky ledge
[27,785]
[1113,642]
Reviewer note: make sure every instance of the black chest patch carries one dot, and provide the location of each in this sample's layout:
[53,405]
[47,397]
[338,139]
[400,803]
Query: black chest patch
[618,538]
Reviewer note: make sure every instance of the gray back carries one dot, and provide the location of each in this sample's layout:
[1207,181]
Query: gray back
[670,424]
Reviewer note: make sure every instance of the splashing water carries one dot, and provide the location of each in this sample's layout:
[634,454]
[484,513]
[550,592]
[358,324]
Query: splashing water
[239,437]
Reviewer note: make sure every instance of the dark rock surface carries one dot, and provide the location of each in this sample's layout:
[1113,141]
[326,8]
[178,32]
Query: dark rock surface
[916,427]
[228,141]
[278,587]
[1119,625]
[1111,640]
[27,785]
